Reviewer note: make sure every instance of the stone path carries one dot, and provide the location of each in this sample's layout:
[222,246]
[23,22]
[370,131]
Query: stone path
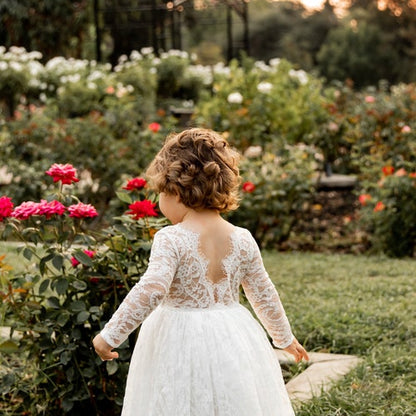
[322,372]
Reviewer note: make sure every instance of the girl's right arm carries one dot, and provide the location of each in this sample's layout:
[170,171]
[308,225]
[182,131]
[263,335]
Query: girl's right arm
[146,295]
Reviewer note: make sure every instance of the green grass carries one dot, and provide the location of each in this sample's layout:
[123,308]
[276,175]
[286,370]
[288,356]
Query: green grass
[354,305]
[348,304]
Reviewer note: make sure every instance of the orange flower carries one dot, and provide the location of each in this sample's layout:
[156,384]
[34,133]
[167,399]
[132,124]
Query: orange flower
[379,207]
[364,198]
[388,170]
[412,175]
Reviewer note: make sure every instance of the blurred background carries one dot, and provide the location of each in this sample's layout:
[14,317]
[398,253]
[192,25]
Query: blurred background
[362,40]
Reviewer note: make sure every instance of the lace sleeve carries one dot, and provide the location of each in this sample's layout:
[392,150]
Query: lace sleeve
[146,294]
[265,300]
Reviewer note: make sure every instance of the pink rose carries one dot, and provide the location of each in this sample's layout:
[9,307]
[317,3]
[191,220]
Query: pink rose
[406,129]
[82,210]
[25,210]
[401,172]
[6,207]
[50,208]
[370,99]
[64,173]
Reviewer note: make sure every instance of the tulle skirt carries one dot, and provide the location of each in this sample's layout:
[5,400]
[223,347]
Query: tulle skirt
[204,362]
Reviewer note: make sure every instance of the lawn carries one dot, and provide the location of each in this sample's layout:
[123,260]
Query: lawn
[354,305]
[349,304]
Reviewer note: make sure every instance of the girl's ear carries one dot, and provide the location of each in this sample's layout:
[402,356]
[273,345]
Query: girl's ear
[177,198]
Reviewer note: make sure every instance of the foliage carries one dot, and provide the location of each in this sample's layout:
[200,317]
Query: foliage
[360,53]
[55,306]
[31,142]
[257,103]
[50,27]
[276,189]
[389,212]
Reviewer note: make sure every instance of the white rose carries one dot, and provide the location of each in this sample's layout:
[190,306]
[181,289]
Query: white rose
[264,87]
[235,98]
[253,151]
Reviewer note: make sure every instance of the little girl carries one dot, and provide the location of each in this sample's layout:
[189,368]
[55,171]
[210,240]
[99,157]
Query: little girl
[199,352]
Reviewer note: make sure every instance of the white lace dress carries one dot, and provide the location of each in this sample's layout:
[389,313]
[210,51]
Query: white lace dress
[199,352]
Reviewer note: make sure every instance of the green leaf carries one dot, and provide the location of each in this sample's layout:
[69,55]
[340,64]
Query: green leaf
[125,197]
[62,319]
[53,302]
[77,306]
[83,316]
[67,404]
[61,286]
[8,347]
[58,261]
[112,367]
[44,286]
[83,258]
[27,253]
[79,285]
[65,357]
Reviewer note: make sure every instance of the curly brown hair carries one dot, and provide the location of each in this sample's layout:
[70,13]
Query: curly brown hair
[200,167]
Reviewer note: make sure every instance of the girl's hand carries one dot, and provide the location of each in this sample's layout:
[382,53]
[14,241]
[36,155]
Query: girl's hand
[103,349]
[297,351]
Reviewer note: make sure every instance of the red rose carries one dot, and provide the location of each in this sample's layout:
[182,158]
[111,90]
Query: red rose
[64,173]
[6,207]
[140,209]
[135,183]
[154,127]
[75,262]
[388,170]
[379,207]
[249,187]
[82,210]
[364,198]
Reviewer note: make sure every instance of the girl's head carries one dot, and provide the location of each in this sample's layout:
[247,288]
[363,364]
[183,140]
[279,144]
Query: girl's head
[199,167]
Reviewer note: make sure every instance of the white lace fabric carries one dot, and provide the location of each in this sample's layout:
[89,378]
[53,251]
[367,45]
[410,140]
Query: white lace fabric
[177,278]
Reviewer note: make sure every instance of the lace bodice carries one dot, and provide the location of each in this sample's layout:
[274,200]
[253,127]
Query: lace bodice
[177,277]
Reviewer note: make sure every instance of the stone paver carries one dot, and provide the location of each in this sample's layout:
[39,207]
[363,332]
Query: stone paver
[323,370]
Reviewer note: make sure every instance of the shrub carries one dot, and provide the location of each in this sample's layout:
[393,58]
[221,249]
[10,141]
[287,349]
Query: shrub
[257,103]
[276,189]
[389,212]
[75,282]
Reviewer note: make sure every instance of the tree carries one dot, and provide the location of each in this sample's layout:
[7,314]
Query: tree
[53,27]
[358,51]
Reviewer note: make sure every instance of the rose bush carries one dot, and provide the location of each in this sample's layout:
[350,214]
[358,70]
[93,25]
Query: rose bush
[73,281]
[388,211]
[277,186]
